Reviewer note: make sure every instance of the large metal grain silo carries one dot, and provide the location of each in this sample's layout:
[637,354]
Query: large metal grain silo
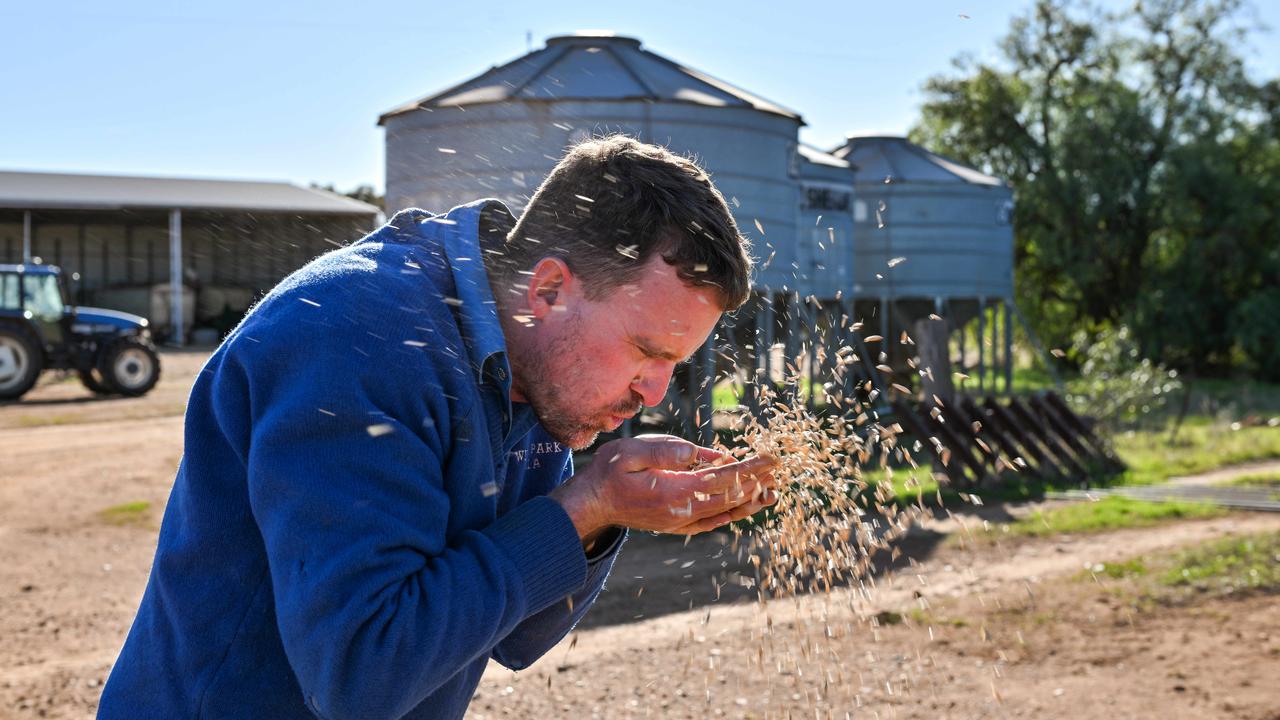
[931,235]
[500,133]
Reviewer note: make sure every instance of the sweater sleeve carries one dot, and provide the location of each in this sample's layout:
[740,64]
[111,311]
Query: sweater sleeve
[533,637]
[375,608]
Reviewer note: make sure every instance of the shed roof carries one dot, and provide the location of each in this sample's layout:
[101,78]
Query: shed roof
[40,190]
[881,157]
[594,65]
[818,157]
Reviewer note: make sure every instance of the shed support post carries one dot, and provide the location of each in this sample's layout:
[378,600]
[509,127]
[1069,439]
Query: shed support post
[26,237]
[175,278]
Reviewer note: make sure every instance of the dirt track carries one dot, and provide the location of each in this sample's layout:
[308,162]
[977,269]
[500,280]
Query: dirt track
[1015,632]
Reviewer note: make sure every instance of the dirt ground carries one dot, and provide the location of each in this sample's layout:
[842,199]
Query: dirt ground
[958,629]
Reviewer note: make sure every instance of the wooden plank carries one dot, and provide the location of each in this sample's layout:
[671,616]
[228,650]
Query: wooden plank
[961,446]
[916,427]
[1033,425]
[1005,422]
[1050,416]
[991,440]
[1083,428]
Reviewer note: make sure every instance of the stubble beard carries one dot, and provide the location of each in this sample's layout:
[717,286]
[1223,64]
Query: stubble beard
[547,380]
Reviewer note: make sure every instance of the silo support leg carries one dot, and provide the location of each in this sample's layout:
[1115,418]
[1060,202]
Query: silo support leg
[704,392]
[981,337]
[1008,346]
[995,347]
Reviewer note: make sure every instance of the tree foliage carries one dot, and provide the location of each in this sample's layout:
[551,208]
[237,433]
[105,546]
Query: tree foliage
[1146,170]
[363,193]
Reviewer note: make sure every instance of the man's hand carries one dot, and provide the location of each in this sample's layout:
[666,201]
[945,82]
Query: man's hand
[648,483]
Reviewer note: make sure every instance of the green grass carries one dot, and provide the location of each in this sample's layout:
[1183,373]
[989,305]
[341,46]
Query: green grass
[1025,380]
[1112,513]
[31,421]
[1200,446]
[1229,566]
[924,618]
[1231,398]
[727,395]
[1118,570]
[914,487]
[130,513]
[1227,423]
[1258,480]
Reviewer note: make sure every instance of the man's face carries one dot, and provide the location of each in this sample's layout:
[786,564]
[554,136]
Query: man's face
[594,364]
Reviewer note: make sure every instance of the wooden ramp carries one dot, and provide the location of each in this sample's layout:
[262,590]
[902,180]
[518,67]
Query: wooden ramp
[978,443]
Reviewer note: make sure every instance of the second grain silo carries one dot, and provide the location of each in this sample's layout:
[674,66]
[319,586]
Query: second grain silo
[931,235]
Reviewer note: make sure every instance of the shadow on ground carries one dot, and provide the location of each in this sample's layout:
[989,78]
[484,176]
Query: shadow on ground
[78,400]
[660,574]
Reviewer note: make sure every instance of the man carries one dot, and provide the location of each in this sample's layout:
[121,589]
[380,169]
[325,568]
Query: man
[377,495]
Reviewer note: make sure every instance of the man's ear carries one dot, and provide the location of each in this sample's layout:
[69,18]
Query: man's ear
[550,287]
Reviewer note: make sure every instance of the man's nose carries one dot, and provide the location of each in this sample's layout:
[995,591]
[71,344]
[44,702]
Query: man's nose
[652,386]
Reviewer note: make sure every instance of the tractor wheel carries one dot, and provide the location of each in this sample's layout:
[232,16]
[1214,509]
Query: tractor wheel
[93,380]
[130,367]
[21,361]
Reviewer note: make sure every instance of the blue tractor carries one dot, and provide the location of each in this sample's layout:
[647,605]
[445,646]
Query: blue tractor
[111,351]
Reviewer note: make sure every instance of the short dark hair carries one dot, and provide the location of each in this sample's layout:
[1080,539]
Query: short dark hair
[611,203]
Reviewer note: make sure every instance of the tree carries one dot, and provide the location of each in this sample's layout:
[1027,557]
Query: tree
[363,193]
[366,194]
[1141,158]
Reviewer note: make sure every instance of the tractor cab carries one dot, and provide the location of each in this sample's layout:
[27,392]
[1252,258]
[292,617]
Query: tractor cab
[111,351]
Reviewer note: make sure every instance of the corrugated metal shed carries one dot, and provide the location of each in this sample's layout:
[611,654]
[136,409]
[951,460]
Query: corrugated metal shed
[38,190]
[182,252]
[595,66]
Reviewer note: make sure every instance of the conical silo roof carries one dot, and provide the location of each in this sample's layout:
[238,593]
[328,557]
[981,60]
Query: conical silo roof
[594,66]
[878,158]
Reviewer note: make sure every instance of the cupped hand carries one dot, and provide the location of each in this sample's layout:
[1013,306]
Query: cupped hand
[665,484]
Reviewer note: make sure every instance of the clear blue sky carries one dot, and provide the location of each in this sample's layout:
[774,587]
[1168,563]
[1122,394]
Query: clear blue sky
[239,89]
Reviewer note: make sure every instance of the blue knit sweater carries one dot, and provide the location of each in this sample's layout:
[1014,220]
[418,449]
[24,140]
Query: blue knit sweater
[358,522]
